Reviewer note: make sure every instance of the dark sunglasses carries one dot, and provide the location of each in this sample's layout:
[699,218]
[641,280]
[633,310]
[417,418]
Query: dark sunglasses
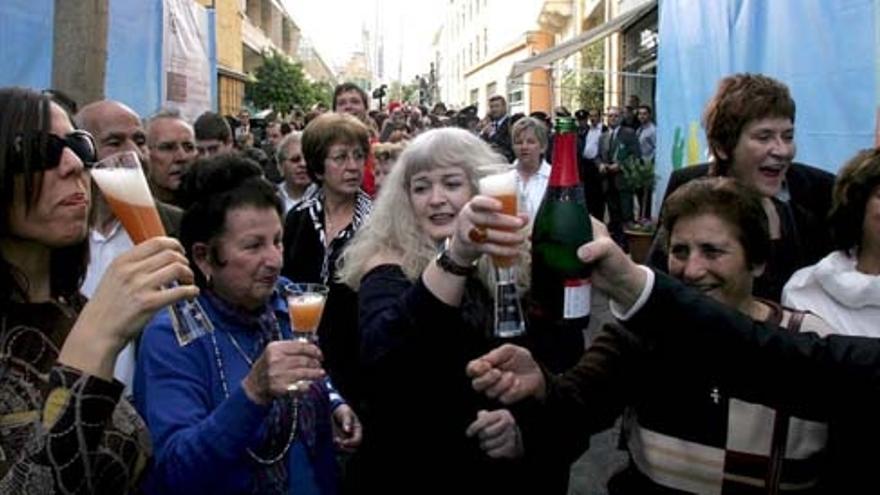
[80,142]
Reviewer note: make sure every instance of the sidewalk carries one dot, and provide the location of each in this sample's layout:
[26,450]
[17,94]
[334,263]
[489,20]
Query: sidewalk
[591,472]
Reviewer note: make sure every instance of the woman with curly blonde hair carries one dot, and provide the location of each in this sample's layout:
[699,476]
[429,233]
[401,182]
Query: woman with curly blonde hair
[423,314]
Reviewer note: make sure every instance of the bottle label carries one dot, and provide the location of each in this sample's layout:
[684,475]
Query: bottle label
[576,299]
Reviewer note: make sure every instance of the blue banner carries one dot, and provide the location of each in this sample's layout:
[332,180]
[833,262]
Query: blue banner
[26,43]
[134,55]
[826,52]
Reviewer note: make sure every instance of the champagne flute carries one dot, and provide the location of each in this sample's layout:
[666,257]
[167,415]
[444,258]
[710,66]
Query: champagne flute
[305,304]
[509,321]
[121,179]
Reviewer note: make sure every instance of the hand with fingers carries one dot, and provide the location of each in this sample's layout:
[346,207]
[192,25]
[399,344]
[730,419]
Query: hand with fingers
[347,429]
[134,287]
[481,229]
[498,434]
[508,373]
[614,272]
[282,364]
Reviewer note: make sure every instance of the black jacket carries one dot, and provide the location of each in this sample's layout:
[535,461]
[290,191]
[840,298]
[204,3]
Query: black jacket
[170,217]
[806,239]
[836,378]
[501,141]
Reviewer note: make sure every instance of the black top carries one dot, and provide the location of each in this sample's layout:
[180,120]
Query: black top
[806,234]
[418,398]
[835,379]
[307,261]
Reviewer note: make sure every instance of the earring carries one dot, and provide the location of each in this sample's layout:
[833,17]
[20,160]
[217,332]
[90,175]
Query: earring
[209,282]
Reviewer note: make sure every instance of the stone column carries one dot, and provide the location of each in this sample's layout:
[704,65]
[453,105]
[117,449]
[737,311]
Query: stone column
[79,60]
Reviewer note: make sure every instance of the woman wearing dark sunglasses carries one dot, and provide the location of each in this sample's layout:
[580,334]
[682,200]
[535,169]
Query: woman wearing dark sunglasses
[63,426]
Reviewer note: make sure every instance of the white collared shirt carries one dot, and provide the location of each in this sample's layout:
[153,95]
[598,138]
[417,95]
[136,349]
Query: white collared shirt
[290,203]
[102,251]
[591,146]
[531,191]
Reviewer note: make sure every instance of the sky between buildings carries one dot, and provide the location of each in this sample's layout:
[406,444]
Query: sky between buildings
[407,26]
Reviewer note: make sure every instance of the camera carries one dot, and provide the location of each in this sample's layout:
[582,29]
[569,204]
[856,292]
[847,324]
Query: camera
[380,92]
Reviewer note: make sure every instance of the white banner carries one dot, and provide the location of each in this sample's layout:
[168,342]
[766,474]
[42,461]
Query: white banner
[186,66]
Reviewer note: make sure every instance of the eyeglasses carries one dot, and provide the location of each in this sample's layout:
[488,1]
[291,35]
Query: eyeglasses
[80,142]
[340,159]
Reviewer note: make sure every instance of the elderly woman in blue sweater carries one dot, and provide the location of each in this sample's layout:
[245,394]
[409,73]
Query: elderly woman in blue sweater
[222,411]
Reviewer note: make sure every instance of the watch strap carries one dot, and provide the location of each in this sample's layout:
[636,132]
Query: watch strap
[445,262]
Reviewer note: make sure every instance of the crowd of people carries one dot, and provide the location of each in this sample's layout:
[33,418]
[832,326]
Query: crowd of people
[743,358]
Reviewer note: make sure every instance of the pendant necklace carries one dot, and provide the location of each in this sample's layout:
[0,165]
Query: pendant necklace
[258,459]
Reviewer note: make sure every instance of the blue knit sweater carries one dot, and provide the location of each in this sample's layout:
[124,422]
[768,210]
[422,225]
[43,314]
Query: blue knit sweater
[200,437]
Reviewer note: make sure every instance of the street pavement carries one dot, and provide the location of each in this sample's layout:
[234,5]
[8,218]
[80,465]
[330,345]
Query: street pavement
[591,472]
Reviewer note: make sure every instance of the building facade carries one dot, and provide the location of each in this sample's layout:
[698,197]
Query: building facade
[246,28]
[622,32]
[475,47]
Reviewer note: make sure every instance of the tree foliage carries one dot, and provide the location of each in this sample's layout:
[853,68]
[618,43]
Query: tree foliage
[591,92]
[403,92]
[281,84]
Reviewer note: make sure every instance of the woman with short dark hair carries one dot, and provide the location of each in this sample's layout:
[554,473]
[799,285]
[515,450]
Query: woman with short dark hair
[684,431]
[335,147]
[221,410]
[750,130]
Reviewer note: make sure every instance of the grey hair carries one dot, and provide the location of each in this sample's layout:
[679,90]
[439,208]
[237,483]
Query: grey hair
[281,151]
[393,228]
[165,113]
[535,125]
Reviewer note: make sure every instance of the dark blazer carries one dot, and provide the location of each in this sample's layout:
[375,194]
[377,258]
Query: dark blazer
[625,137]
[501,140]
[834,379]
[170,217]
[810,240]
[338,331]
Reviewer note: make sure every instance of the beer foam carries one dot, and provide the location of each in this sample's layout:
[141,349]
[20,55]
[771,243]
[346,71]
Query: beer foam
[499,184]
[307,300]
[124,184]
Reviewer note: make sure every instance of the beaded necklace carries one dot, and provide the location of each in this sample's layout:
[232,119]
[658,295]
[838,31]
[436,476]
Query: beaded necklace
[250,362]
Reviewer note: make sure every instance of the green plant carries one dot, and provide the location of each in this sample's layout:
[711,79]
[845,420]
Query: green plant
[281,84]
[639,176]
[591,92]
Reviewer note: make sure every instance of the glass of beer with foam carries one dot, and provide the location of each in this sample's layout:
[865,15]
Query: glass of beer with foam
[121,180]
[509,320]
[305,304]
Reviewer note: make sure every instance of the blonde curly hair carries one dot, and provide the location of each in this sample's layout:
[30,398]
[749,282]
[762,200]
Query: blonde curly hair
[393,228]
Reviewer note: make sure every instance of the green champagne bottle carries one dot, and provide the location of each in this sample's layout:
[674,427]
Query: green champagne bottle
[560,281]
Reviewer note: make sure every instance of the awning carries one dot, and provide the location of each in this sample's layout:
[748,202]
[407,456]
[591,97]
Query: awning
[562,50]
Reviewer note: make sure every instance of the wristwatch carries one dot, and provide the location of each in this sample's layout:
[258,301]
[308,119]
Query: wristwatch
[445,262]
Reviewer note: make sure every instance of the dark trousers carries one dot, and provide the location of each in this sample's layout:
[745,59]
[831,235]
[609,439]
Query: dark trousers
[592,181]
[620,206]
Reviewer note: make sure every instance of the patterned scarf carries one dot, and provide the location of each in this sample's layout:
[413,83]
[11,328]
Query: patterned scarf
[362,207]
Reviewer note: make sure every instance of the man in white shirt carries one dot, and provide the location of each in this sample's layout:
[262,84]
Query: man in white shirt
[116,128]
[590,129]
